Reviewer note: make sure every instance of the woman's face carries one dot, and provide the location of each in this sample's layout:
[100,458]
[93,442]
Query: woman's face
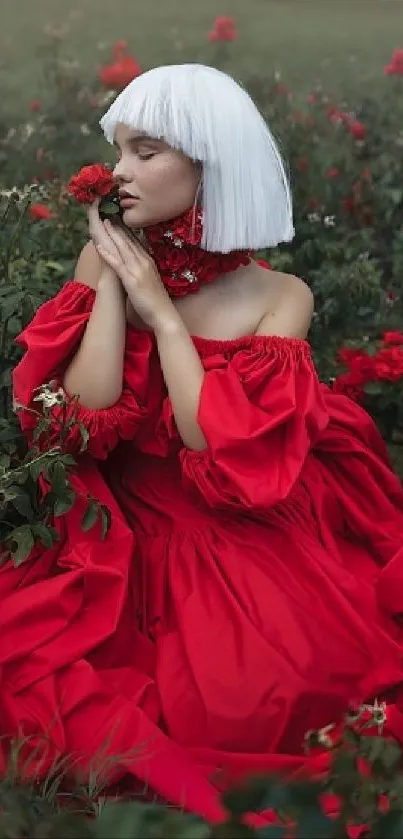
[160,182]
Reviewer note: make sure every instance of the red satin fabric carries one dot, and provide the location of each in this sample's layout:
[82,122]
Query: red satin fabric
[244,594]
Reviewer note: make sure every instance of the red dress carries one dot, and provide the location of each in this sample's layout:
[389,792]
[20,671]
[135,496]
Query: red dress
[243,595]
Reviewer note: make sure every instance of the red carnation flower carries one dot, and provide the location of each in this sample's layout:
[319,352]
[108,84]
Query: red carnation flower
[393,337]
[224,29]
[120,73]
[91,182]
[40,212]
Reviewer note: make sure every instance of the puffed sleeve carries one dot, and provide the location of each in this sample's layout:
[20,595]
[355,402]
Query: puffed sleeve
[261,412]
[49,342]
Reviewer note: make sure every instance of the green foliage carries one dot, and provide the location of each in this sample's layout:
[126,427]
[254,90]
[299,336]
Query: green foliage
[360,793]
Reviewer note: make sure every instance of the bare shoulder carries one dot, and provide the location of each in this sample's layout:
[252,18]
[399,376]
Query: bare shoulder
[289,305]
[88,267]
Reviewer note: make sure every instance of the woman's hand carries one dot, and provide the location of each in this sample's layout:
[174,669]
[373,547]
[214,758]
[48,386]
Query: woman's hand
[97,231]
[139,276]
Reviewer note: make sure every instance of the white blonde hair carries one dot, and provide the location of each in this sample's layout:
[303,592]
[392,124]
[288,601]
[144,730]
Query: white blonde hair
[204,113]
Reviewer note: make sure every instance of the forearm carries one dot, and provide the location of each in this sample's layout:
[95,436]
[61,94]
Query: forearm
[96,372]
[183,374]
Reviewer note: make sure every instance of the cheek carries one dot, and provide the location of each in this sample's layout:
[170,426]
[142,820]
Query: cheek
[177,176]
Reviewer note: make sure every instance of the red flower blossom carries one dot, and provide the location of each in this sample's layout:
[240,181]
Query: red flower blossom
[333,172]
[281,88]
[40,212]
[393,337]
[312,99]
[388,364]
[264,264]
[337,116]
[357,129]
[120,73]
[395,67]
[91,182]
[224,29]
[385,365]
[35,105]
[351,385]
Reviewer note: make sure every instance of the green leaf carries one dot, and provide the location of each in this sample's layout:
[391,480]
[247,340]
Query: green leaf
[84,435]
[120,820]
[27,310]
[313,824]
[9,433]
[64,504]
[373,388]
[90,516]
[22,503]
[36,468]
[47,535]
[389,826]
[108,208]
[41,426]
[58,478]
[365,311]
[22,541]
[106,520]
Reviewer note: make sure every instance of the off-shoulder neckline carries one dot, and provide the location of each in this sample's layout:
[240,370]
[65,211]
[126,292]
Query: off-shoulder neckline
[216,344]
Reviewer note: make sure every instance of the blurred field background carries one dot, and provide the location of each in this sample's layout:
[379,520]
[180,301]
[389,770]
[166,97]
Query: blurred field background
[331,41]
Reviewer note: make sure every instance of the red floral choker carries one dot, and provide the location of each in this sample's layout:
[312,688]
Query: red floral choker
[183,265]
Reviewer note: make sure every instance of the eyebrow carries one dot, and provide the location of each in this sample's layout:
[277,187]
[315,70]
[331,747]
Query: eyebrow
[140,138]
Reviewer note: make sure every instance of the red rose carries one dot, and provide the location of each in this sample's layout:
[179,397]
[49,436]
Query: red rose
[40,212]
[91,182]
[358,129]
[35,105]
[395,67]
[120,73]
[388,364]
[224,29]
[264,264]
[393,337]
[334,172]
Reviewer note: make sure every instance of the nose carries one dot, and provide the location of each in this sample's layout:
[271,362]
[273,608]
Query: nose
[121,171]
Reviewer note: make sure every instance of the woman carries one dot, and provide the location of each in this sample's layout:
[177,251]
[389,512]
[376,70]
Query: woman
[249,587]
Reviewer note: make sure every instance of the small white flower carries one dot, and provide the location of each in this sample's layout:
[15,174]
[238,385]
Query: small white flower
[85,129]
[329,221]
[313,218]
[49,397]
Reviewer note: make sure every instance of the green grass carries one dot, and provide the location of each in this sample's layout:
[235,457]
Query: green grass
[336,42]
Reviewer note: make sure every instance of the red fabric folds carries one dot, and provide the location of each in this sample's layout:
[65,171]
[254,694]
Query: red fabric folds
[243,595]
[260,415]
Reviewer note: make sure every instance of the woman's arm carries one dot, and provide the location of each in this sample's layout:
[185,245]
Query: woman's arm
[183,374]
[95,374]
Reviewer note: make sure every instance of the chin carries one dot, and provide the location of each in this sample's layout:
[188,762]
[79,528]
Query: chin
[136,217]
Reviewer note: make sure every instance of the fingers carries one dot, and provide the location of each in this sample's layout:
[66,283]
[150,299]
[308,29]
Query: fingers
[127,246]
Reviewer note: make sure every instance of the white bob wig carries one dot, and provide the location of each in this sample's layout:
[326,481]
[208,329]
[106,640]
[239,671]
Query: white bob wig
[204,113]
